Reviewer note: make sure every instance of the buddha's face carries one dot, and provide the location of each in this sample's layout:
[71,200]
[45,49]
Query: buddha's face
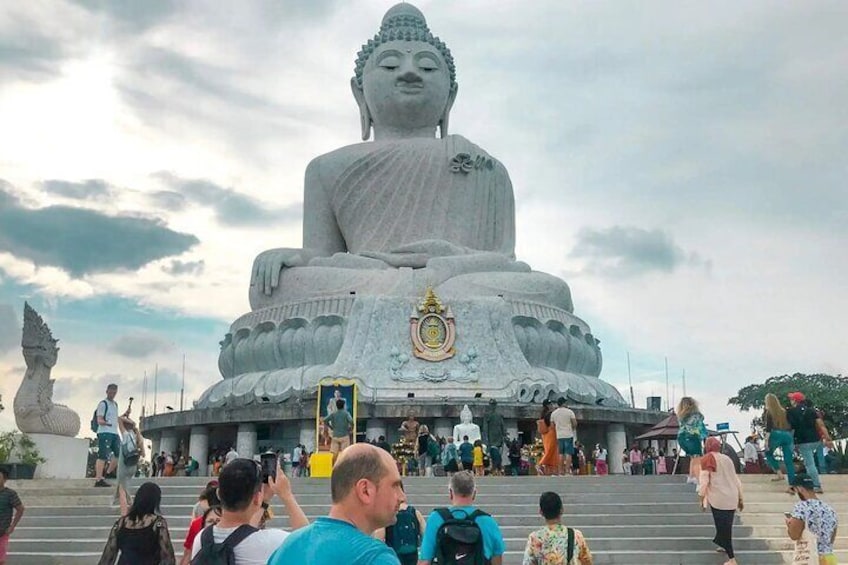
[406,85]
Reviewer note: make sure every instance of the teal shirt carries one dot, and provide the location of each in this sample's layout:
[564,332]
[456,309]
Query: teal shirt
[341,423]
[493,542]
[328,541]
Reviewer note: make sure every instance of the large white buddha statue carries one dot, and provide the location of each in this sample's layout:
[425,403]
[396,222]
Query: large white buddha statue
[407,210]
[384,221]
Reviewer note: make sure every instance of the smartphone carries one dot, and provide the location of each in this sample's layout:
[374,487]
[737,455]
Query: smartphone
[269,465]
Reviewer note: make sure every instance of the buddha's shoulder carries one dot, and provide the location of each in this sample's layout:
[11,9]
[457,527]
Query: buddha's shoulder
[344,156]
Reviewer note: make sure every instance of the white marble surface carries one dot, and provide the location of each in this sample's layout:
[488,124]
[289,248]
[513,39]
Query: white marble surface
[66,456]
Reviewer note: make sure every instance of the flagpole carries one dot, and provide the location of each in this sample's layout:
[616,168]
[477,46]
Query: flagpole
[667,405]
[182,387]
[155,387]
[630,380]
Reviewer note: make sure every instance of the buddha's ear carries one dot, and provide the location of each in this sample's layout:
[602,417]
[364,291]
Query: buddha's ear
[364,113]
[443,122]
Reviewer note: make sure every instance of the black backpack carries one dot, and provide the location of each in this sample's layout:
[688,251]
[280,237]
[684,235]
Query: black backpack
[459,541]
[403,536]
[212,553]
[94,424]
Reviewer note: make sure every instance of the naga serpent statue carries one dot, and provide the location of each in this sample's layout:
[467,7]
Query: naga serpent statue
[35,412]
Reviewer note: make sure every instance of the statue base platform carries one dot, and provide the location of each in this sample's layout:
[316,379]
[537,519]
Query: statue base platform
[511,350]
[67,457]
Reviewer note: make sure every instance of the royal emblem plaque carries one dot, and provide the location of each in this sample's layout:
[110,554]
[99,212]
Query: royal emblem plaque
[432,329]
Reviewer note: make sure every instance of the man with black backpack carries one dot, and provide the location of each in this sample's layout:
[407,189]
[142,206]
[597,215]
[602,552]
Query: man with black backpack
[105,424]
[236,540]
[461,534]
[404,536]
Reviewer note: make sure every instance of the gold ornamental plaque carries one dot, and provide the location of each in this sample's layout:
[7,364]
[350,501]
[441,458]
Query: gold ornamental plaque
[432,329]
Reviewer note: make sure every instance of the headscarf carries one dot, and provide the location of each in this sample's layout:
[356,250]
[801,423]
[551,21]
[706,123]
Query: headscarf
[712,447]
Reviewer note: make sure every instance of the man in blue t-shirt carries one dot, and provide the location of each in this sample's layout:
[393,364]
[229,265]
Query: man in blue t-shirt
[462,494]
[367,492]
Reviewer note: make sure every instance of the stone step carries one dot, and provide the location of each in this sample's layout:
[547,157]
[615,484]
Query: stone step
[631,520]
[520,531]
[603,545]
[510,558]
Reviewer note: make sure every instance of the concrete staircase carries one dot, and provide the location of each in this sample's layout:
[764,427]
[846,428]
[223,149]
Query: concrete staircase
[627,520]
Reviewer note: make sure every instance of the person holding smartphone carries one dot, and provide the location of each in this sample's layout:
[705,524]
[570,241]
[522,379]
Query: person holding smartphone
[244,498]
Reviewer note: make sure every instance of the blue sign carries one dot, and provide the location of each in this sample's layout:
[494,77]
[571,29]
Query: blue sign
[723,427]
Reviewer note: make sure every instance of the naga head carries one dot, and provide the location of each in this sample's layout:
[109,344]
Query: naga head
[37,342]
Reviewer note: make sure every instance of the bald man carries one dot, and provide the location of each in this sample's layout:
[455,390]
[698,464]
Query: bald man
[367,492]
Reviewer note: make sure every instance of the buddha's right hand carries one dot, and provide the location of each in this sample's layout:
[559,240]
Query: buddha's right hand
[265,276]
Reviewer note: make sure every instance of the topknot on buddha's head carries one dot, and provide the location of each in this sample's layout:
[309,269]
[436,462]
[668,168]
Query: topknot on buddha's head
[403,22]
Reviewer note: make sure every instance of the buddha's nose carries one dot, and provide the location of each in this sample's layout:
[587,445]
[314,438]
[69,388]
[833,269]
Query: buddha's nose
[410,76]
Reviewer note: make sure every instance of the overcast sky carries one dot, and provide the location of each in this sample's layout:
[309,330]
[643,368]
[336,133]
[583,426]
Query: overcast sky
[681,165]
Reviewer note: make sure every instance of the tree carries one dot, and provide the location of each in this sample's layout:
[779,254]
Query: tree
[828,393]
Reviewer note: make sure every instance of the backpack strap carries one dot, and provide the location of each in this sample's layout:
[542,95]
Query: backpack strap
[239,535]
[414,514]
[476,514]
[207,538]
[445,513]
[570,550]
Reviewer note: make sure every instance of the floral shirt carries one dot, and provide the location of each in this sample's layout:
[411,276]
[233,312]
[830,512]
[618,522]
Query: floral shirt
[693,424]
[549,546]
[820,518]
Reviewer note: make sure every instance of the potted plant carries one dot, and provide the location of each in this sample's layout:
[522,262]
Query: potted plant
[19,454]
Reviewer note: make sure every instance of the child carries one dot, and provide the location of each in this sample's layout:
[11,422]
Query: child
[478,458]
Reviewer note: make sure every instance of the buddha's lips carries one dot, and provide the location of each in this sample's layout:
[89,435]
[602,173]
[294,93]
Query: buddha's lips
[410,87]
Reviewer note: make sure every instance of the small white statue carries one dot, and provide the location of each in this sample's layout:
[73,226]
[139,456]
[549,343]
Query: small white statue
[466,427]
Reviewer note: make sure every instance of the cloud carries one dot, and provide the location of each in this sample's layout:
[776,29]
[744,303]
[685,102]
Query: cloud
[83,241]
[93,189]
[631,251]
[139,344]
[178,267]
[10,330]
[168,200]
[94,387]
[134,16]
[27,54]
[231,208]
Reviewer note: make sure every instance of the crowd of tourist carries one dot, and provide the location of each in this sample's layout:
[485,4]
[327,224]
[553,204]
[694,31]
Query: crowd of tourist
[381,525]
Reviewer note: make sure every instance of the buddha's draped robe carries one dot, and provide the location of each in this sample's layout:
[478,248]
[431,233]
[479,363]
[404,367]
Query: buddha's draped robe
[400,192]
[386,194]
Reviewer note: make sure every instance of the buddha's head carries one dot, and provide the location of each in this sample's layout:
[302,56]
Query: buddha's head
[465,415]
[405,79]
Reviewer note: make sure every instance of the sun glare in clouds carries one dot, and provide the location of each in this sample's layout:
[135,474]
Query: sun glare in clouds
[71,122]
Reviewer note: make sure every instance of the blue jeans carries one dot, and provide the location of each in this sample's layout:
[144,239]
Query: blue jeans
[820,460]
[783,440]
[808,452]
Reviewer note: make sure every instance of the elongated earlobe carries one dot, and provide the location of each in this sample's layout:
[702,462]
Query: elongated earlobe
[445,119]
[364,113]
